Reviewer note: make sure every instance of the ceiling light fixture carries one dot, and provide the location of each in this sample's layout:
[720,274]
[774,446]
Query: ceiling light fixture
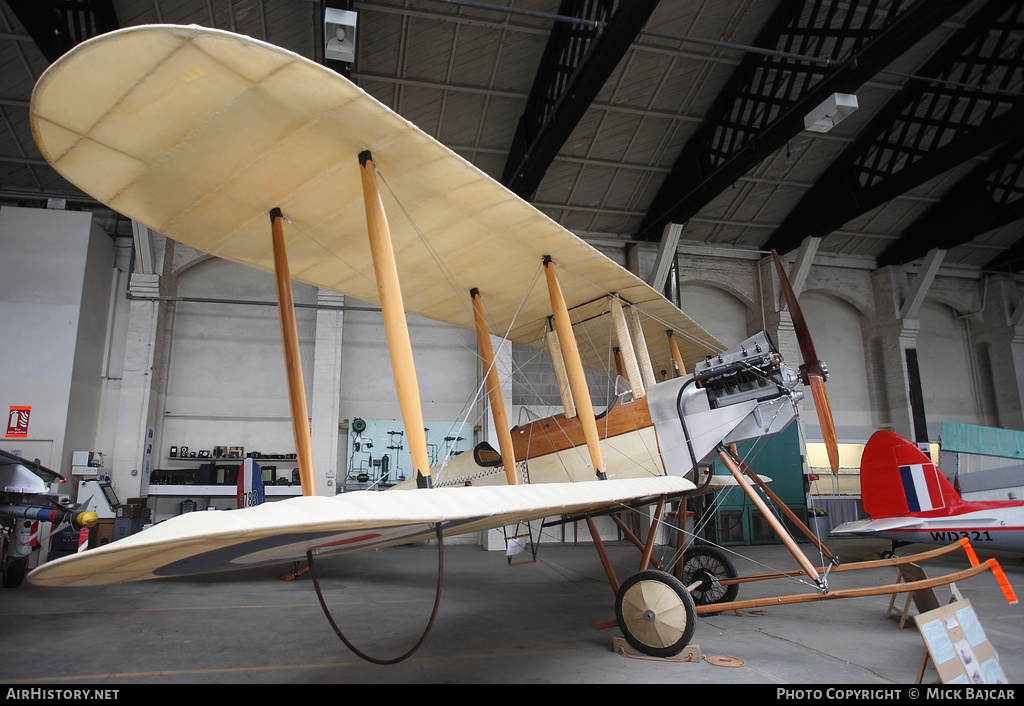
[340,35]
[827,115]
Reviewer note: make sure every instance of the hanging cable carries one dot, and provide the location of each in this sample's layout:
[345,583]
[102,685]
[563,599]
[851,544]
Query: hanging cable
[430,623]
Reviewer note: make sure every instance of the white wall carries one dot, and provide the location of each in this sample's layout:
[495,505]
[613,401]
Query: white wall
[226,383]
[56,273]
[722,314]
[944,359]
[447,367]
[853,314]
[839,342]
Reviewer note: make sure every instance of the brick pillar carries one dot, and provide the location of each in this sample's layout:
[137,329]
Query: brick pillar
[891,335]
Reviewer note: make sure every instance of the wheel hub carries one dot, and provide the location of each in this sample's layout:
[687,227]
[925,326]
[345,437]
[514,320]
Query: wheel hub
[706,578]
[655,612]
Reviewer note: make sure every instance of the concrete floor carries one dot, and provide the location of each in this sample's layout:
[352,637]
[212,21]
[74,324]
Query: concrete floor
[496,624]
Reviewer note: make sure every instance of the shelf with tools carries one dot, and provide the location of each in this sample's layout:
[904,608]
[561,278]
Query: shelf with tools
[216,476]
[220,490]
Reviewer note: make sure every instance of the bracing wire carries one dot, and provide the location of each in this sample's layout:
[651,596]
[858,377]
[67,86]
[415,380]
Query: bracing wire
[682,334]
[438,260]
[330,252]
[669,564]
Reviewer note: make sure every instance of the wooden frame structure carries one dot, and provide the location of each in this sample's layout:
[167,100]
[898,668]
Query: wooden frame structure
[924,599]
[905,582]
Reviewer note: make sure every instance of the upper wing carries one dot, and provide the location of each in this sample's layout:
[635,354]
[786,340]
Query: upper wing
[272,533]
[198,133]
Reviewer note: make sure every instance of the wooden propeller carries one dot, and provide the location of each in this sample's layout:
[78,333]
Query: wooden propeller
[813,371]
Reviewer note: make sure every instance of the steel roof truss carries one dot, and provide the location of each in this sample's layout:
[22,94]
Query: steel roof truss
[764,102]
[927,129]
[991,196]
[58,25]
[577,61]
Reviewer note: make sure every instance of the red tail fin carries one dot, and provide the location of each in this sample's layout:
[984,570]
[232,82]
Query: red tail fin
[896,478]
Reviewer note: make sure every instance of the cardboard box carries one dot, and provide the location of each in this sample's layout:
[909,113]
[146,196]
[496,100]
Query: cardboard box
[127,511]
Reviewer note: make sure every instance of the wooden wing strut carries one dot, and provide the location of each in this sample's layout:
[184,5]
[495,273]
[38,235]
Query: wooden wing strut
[677,357]
[292,361]
[630,364]
[483,342]
[574,368]
[395,325]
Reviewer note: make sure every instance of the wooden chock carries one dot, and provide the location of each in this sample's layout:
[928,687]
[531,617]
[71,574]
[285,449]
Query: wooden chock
[689,653]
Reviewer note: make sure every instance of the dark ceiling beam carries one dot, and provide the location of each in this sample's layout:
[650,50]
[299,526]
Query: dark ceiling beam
[577,61]
[1011,260]
[1010,197]
[927,129]
[58,25]
[765,102]
[990,197]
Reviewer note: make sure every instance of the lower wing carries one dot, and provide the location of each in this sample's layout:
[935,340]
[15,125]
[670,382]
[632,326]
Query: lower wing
[273,533]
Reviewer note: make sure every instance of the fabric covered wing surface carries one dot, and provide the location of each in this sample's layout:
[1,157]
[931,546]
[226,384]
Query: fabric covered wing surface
[283,531]
[198,133]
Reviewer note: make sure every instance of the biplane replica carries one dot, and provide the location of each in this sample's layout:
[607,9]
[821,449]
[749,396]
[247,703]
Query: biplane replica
[253,154]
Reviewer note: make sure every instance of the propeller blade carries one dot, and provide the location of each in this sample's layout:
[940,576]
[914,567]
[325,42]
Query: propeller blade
[828,427]
[803,334]
[814,373]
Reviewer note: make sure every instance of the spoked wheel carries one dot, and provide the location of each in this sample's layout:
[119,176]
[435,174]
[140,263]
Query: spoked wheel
[707,567]
[656,613]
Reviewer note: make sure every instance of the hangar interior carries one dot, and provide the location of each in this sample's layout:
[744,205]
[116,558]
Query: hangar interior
[676,138]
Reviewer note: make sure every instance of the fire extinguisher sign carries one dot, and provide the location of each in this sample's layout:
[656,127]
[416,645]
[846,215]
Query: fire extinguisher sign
[17,422]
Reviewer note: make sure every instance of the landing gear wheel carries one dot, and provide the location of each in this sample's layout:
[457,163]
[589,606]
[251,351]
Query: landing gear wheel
[656,613]
[709,566]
